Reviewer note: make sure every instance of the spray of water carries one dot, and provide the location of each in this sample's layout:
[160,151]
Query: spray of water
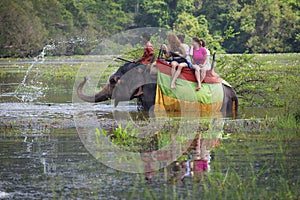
[31,90]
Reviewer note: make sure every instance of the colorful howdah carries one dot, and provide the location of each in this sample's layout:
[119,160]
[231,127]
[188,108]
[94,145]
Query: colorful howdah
[185,98]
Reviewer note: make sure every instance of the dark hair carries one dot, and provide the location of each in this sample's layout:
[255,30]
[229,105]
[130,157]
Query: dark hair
[181,37]
[147,36]
[203,43]
[197,40]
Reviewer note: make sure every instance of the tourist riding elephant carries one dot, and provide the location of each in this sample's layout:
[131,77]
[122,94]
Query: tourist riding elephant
[123,85]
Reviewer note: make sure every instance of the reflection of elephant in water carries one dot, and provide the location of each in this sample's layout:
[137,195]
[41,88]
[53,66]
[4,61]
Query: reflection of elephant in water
[123,85]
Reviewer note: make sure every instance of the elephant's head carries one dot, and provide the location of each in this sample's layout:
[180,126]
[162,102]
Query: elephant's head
[103,95]
[124,88]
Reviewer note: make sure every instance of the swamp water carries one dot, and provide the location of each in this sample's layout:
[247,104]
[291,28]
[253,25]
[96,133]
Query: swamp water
[42,156]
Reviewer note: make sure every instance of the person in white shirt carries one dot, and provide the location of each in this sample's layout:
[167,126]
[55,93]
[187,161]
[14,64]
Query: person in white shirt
[186,47]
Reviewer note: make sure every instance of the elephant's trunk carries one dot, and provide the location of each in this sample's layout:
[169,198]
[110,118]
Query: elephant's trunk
[103,95]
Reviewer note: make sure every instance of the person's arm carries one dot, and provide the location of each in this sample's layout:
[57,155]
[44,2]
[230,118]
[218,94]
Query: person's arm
[183,55]
[205,61]
[204,53]
[166,51]
[191,53]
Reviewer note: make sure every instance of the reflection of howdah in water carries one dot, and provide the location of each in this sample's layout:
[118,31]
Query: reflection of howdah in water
[193,164]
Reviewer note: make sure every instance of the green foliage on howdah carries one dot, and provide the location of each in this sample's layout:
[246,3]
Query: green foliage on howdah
[231,26]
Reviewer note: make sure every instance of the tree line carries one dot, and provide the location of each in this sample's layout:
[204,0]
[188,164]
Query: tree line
[76,26]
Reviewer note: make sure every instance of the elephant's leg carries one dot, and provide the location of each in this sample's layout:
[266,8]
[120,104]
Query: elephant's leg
[148,98]
[227,103]
[230,102]
[234,106]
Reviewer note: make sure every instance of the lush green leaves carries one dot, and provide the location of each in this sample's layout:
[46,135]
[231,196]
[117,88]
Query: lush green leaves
[21,32]
[153,13]
[260,82]
[235,26]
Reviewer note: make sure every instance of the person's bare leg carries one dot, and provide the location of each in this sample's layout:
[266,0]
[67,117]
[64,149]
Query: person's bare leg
[198,78]
[140,92]
[176,75]
[202,74]
[173,70]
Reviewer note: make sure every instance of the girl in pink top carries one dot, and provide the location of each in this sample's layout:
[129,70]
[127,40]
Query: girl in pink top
[199,59]
[199,55]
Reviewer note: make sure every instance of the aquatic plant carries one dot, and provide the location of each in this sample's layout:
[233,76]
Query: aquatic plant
[2,73]
[239,172]
[128,139]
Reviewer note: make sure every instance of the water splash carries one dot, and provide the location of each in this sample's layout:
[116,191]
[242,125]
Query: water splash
[31,90]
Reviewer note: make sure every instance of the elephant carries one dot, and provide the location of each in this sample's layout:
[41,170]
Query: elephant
[123,85]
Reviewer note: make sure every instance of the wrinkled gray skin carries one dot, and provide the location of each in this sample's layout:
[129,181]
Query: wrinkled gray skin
[128,84]
[124,88]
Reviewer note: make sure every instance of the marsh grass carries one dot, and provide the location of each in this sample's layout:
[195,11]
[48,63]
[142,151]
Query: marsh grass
[257,168]
[159,135]
[251,175]
[256,165]
[133,137]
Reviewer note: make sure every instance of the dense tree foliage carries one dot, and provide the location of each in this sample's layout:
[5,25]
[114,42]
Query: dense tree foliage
[234,26]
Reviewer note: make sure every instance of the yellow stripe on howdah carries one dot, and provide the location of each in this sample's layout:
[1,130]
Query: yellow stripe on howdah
[186,91]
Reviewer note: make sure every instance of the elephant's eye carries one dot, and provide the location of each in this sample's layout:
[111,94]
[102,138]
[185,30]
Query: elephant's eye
[114,80]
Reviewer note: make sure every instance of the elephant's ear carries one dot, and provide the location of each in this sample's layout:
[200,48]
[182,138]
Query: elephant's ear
[130,82]
[127,86]
[153,69]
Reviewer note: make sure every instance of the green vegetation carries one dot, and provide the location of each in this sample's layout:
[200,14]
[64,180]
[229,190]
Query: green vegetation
[75,27]
[62,72]
[252,182]
[128,139]
[133,139]
[247,166]
[269,80]
[2,73]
